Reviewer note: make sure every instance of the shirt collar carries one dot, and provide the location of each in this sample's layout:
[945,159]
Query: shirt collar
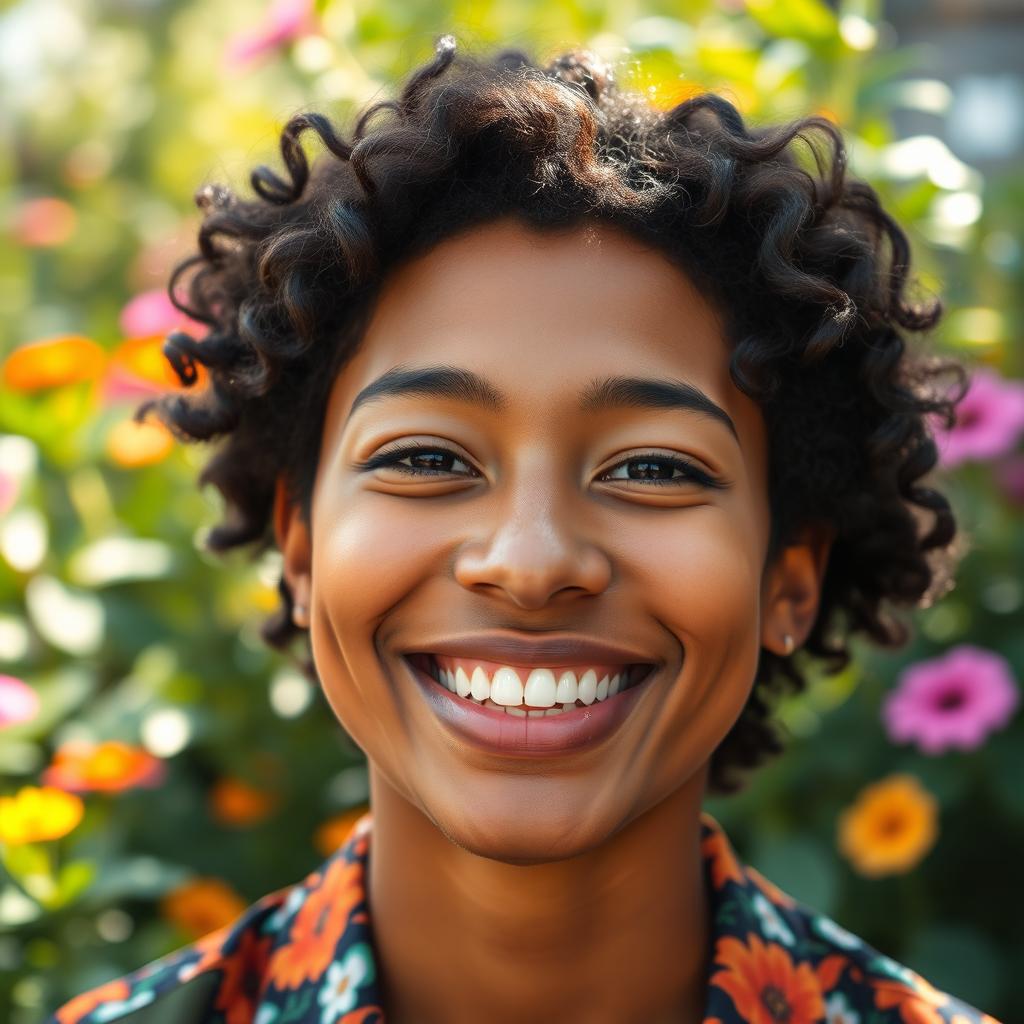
[748,914]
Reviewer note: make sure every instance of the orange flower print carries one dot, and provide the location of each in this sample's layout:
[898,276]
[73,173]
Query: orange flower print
[79,1007]
[724,866]
[243,976]
[318,926]
[765,984]
[916,1005]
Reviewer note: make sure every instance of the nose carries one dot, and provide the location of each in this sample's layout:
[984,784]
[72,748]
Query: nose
[533,551]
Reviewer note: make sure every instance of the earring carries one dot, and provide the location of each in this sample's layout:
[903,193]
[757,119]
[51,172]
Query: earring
[788,642]
[299,612]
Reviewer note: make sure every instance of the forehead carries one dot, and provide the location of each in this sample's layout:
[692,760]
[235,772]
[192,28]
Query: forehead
[541,313]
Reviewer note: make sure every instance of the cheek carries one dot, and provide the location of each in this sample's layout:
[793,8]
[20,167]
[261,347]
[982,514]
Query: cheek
[704,582]
[703,574]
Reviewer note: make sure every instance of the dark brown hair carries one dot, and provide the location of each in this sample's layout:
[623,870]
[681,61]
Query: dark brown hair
[809,273]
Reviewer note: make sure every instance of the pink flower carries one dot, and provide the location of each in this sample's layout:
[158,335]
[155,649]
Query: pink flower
[153,312]
[951,701]
[989,420]
[8,491]
[18,701]
[283,21]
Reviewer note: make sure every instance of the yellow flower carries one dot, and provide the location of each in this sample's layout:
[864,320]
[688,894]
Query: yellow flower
[890,827]
[35,814]
[131,444]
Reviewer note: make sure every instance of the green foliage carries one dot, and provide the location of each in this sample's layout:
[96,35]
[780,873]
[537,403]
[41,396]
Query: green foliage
[128,631]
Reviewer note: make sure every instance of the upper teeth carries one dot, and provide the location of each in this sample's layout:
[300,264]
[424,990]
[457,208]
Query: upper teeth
[544,688]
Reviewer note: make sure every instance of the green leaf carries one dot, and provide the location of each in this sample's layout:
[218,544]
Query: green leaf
[800,19]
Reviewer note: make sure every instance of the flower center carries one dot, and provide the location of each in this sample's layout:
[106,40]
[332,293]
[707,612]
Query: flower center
[775,1002]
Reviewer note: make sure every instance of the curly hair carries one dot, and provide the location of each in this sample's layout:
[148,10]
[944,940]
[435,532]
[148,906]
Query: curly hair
[807,270]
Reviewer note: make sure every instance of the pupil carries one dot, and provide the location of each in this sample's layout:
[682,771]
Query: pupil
[649,469]
[429,460]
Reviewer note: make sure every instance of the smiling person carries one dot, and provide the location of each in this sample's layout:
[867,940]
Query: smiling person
[573,420]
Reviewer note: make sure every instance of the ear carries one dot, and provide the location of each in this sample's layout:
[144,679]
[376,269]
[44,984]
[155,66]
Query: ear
[294,542]
[791,589]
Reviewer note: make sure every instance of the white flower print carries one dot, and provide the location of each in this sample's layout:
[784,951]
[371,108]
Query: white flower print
[839,1011]
[828,929]
[772,925]
[266,1015]
[287,909]
[338,992]
[118,1008]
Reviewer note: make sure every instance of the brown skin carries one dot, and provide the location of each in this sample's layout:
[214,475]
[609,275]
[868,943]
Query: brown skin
[567,888]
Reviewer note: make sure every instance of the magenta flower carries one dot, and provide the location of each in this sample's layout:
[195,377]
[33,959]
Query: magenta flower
[951,701]
[18,701]
[989,420]
[153,312]
[283,21]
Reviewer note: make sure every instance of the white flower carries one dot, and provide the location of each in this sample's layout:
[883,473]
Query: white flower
[338,992]
[839,1011]
[884,965]
[118,1008]
[266,1015]
[290,906]
[772,924]
[828,929]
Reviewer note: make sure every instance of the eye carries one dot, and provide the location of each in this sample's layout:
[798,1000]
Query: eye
[418,460]
[661,470]
[435,461]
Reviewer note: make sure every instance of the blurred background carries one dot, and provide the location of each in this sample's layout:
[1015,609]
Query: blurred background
[160,769]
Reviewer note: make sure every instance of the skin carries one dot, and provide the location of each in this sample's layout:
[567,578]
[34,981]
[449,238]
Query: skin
[568,888]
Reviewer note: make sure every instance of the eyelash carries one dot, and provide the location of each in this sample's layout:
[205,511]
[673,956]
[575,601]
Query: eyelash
[390,457]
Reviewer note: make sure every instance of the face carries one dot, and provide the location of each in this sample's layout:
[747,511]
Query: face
[539,504]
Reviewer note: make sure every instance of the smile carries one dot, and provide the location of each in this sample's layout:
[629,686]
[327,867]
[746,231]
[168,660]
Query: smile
[530,690]
[526,726]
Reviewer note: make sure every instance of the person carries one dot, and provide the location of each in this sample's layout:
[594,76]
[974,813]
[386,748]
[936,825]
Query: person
[573,420]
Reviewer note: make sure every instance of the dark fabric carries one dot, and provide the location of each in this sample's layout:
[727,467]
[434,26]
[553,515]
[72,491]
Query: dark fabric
[304,955]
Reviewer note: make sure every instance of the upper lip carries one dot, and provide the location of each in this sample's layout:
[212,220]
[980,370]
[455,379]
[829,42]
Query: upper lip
[541,650]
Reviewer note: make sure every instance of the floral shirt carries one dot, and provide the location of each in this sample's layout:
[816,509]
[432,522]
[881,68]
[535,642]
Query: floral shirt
[304,955]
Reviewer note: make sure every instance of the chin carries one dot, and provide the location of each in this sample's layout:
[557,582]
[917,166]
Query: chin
[540,836]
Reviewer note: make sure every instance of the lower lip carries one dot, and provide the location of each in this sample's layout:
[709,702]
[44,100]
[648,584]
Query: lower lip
[499,733]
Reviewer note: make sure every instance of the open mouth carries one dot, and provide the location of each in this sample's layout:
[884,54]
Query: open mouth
[530,690]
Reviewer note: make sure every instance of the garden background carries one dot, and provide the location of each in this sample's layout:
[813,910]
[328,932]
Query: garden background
[160,768]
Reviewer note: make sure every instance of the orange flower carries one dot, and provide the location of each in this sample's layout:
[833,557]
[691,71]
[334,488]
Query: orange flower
[333,832]
[236,996]
[44,222]
[890,826]
[666,95]
[81,1006]
[35,815]
[766,986]
[144,359]
[53,363]
[110,767]
[131,444]
[202,906]
[917,1005]
[724,865]
[234,802]
[318,926]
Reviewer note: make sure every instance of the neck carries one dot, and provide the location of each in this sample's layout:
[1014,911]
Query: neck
[617,933]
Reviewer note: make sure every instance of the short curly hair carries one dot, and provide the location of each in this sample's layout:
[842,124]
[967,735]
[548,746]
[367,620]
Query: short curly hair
[808,271]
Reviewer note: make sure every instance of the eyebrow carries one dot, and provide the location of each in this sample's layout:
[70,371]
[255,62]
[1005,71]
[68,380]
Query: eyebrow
[463,385]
